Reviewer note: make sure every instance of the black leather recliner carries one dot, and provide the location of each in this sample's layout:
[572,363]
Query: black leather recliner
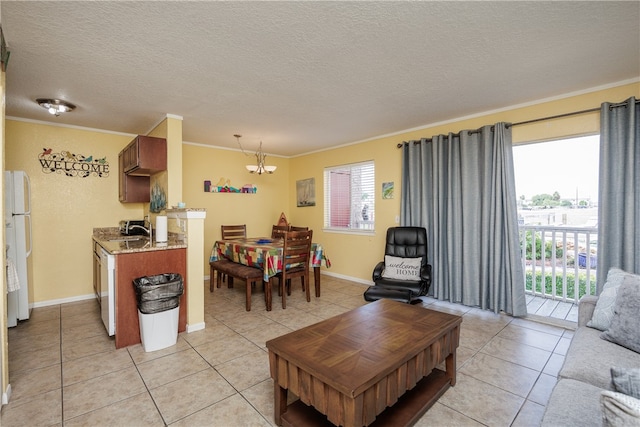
[404,242]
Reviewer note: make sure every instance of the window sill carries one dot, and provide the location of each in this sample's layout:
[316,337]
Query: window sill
[352,231]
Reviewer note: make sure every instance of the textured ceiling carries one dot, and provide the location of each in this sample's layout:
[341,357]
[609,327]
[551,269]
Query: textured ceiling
[303,76]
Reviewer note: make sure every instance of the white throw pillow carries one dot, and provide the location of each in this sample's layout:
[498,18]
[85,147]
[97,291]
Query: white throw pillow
[401,268]
[619,409]
[603,312]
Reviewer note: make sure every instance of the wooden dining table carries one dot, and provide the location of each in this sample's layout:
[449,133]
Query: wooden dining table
[266,253]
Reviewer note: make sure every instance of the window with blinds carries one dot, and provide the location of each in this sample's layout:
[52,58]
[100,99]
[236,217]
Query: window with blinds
[349,197]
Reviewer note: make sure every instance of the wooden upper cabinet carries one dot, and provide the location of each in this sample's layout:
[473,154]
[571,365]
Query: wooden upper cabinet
[132,189]
[145,155]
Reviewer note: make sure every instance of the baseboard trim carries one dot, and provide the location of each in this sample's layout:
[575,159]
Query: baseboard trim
[6,396]
[206,279]
[349,278]
[195,327]
[62,301]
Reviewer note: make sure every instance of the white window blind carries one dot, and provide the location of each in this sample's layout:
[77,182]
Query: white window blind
[349,197]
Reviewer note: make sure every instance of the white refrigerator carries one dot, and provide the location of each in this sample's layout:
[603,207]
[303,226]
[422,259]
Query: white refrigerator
[19,242]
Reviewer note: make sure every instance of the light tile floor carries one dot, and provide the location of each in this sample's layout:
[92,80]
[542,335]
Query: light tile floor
[64,370]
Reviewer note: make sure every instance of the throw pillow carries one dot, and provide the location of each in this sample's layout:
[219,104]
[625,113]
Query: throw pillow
[619,409]
[624,329]
[401,268]
[603,311]
[626,380]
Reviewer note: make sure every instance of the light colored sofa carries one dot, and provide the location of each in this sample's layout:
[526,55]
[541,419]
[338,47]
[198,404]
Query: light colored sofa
[586,372]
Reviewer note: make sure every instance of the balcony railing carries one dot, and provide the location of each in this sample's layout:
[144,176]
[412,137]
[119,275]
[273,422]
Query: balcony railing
[559,261]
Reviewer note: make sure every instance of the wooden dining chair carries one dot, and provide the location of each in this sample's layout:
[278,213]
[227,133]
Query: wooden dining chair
[229,232]
[233,231]
[277,231]
[296,228]
[295,262]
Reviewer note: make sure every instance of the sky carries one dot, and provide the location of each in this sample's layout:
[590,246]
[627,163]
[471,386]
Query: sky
[564,166]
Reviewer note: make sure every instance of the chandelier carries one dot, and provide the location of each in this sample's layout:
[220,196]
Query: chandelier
[259,167]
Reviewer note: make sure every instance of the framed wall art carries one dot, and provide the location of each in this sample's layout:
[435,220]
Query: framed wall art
[306,192]
[387,190]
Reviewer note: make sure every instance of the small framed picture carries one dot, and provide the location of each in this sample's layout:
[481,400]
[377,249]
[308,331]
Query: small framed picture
[306,192]
[387,190]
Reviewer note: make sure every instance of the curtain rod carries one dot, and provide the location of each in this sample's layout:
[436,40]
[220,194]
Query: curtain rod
[542,119]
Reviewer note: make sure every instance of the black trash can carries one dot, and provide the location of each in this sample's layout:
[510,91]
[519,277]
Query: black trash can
[158,300]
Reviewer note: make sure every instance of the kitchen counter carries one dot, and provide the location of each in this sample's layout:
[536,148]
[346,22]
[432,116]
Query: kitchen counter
[114,243]
[134,259]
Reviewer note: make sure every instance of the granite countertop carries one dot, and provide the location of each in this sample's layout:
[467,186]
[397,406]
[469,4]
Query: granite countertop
[114,243]
[178,210]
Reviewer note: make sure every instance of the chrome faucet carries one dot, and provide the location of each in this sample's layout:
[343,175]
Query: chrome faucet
[149,230]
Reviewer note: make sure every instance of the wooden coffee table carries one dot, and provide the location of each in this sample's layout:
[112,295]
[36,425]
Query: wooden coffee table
[353,366]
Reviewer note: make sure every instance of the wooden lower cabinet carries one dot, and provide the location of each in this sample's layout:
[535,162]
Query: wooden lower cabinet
[130,266]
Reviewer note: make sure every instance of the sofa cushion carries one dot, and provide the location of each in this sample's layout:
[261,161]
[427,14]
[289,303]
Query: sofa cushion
[626,380]
[619,410]
[603,312]
[401,268]
[624,329]
[590,358]
[573,403]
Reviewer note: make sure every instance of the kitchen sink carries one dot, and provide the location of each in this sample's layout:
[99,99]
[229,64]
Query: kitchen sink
[128,238]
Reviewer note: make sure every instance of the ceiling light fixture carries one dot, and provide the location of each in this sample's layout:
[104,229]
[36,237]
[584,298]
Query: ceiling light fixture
[260,167]
[55,106]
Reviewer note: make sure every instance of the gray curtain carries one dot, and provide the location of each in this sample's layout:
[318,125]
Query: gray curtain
[619,189]
[461,188]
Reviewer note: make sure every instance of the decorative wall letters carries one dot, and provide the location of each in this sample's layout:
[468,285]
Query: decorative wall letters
[70,164]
